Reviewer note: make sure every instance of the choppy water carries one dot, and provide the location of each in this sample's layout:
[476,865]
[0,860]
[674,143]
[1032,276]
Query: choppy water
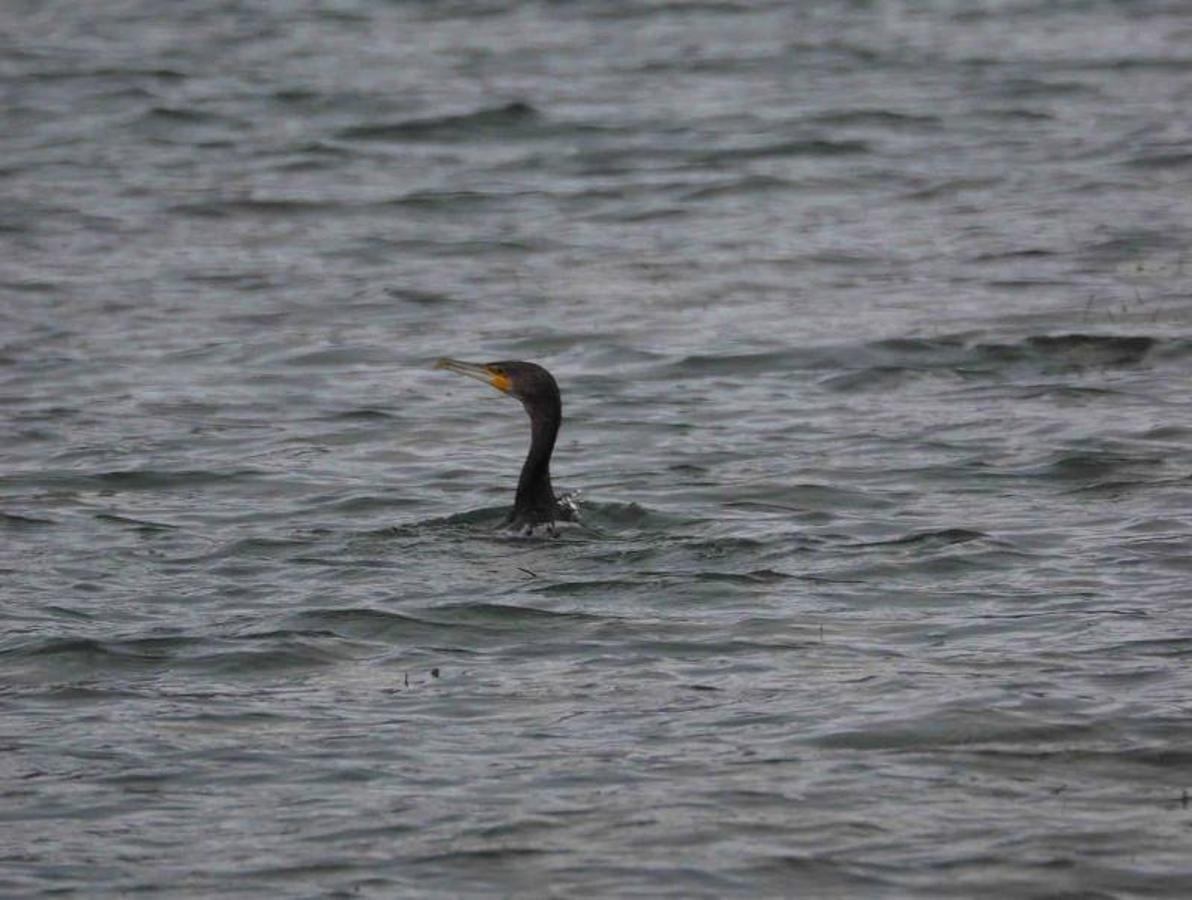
[873,326]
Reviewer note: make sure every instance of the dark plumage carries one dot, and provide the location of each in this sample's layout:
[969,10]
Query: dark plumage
[535,503]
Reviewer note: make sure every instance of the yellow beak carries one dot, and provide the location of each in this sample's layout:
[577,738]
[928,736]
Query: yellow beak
[479,371]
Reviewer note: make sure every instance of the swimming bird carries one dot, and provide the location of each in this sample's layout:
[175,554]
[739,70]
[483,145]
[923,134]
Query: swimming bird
[535,503]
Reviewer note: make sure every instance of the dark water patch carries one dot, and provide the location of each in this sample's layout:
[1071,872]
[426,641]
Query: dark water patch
[450,201]
[83,693]
[1098,464]
[468,248]
[15,520]
[104,73]
[1119,488]
[877,378]
[908,354]
[783,149]
[744,363]
[1063,353]
[485,520]
[364,833]
[510,616]
[1144,762]
[143,526]
[281,634]
[128,480]
[596,520]
[908,573]
[757,576]
[1090,350]
[879,118]
[306,871]
[950,187]
[819,874]
[1172,433]
[276,656]
[14,227]
[367,624]
[956,728]
[71,655]
[360,415]
[1174,350]
[641,215]
[1025,253]
[1175,160]
[62,612]
[419,298]
[484,857]
[929,539]
[602,587]
[297,95]
[1130,245]
[285,208]
[666,9]
[186,125]
[743,185]
[516,118]
[668,643]
[1040,87]
[1026,284]
[1173,648]
[1145,63]
[310,156]
[1017,113]
[1070,393]
[776,511]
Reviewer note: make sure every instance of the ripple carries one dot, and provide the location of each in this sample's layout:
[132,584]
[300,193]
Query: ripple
[941,538]
[14,520]
[961,728]
[810,147]
[512,118]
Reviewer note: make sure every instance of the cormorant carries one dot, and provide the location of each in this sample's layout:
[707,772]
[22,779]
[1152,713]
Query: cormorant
[535,503]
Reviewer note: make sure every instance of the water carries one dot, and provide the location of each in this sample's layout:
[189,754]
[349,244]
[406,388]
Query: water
[873,330]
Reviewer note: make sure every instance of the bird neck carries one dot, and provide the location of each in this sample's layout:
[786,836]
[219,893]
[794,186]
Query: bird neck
[534,491]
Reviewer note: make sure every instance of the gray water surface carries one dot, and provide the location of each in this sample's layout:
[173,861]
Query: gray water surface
[872,322]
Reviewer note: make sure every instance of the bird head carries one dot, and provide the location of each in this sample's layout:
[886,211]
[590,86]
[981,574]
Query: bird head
[528,382]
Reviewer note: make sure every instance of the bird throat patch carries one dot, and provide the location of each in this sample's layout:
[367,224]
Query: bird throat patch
[501,383]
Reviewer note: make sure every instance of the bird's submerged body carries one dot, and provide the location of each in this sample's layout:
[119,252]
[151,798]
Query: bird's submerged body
[535,506]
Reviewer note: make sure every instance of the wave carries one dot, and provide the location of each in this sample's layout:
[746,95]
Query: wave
[596,520]
[14,520]
[887,359]
[938,538]
[512,117]
[286,208]
[808,147]
[245,653]
[881,118]
[128,479]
